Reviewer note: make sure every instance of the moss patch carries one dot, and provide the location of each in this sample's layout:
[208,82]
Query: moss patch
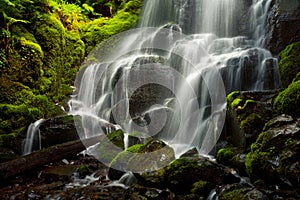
[289,64]
[288,100]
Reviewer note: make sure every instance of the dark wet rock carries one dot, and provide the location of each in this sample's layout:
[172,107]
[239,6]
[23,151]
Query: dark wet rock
[183,175]
[58,130]
[141,192]
[247,112]
[275,156]
[192,153]
[59,173]
[283,25]
[236,191]
[232,157]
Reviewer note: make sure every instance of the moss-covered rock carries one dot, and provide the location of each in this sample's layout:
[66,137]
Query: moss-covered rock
[140,158]
[117,138]
[247,112]
[274,156]
[235,191]
[288,100]
[289,64]
[182,173]
[202,188]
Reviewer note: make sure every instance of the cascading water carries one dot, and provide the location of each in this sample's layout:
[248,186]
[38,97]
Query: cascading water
[196,71]
[33,137]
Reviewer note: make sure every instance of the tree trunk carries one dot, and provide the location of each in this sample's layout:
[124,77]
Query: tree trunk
[44,156]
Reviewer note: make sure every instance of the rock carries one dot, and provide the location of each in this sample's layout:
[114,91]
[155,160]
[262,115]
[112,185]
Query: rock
[236,191]
[288,65]
[58,130]
[288,100]
[247,112]
[283,25]
[59,173]
[181,174]
[140,158]
[275,156]
[141,192]
[186,175]
[232,157]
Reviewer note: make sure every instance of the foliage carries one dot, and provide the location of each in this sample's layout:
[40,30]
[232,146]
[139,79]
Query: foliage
[42,45]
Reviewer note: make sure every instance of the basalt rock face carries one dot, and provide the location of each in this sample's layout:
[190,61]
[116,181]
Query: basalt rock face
[283,24]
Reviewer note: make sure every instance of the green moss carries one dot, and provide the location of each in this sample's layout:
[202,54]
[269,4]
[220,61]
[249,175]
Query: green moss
[289,64]
[262,142]
[178,166]
[83,170]
[232,96]
[135,148]
[117,138]
[297,77]
[234,194]
[257,164]
[288,100]
[237,104]
[94,32]
[252,122]
[225,155]
[202,187]
[5,139]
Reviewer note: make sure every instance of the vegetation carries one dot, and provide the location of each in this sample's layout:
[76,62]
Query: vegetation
[289,64]
[287,100]
[42,45]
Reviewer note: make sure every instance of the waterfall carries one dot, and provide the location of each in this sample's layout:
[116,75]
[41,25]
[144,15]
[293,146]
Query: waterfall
[33,138]
[169,79]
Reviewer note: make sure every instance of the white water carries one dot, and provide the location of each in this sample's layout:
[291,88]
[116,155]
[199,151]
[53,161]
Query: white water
[33,135]
[200,69]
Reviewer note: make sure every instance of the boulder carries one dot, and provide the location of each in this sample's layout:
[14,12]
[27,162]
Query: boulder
[275,156]
[247,112]
[58,130]
[140,158]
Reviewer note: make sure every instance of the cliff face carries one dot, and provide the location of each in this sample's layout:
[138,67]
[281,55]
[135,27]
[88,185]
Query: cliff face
[283,24]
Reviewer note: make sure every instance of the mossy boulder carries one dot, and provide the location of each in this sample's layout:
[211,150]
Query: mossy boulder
[236,191]
[289,64]
[247,112]
[288,100]
[202,188]
[140,158]
[185,176]
[181,174]
[233,157]
[274,157]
